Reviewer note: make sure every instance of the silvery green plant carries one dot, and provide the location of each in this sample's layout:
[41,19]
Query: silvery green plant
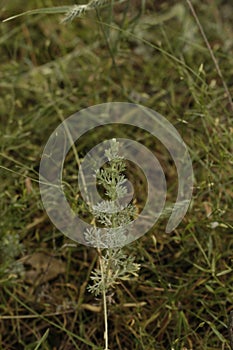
[114,265]
[80,10]
[70,12]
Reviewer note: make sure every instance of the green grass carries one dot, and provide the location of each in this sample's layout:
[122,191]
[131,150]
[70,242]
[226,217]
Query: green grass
[155,56]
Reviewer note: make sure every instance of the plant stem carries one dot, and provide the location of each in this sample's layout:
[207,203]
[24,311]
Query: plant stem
[104,300]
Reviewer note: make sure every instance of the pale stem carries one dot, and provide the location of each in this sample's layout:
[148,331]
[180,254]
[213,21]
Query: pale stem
[104,301]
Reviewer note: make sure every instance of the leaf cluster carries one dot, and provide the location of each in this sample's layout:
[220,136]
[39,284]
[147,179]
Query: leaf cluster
[114,264]
[117,267]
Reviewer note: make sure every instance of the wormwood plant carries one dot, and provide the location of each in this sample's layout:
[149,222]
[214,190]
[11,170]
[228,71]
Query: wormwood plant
[110,213]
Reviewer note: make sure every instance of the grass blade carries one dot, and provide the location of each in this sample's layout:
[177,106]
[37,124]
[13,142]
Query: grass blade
[42,339]
[45,10]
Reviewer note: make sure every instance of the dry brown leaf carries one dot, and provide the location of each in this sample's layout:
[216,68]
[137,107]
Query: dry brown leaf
[42,268]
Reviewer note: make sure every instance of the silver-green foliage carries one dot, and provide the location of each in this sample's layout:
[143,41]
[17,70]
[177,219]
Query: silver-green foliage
[70,12]
[80,10]
[117,267]
[114,216]
[111,213]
